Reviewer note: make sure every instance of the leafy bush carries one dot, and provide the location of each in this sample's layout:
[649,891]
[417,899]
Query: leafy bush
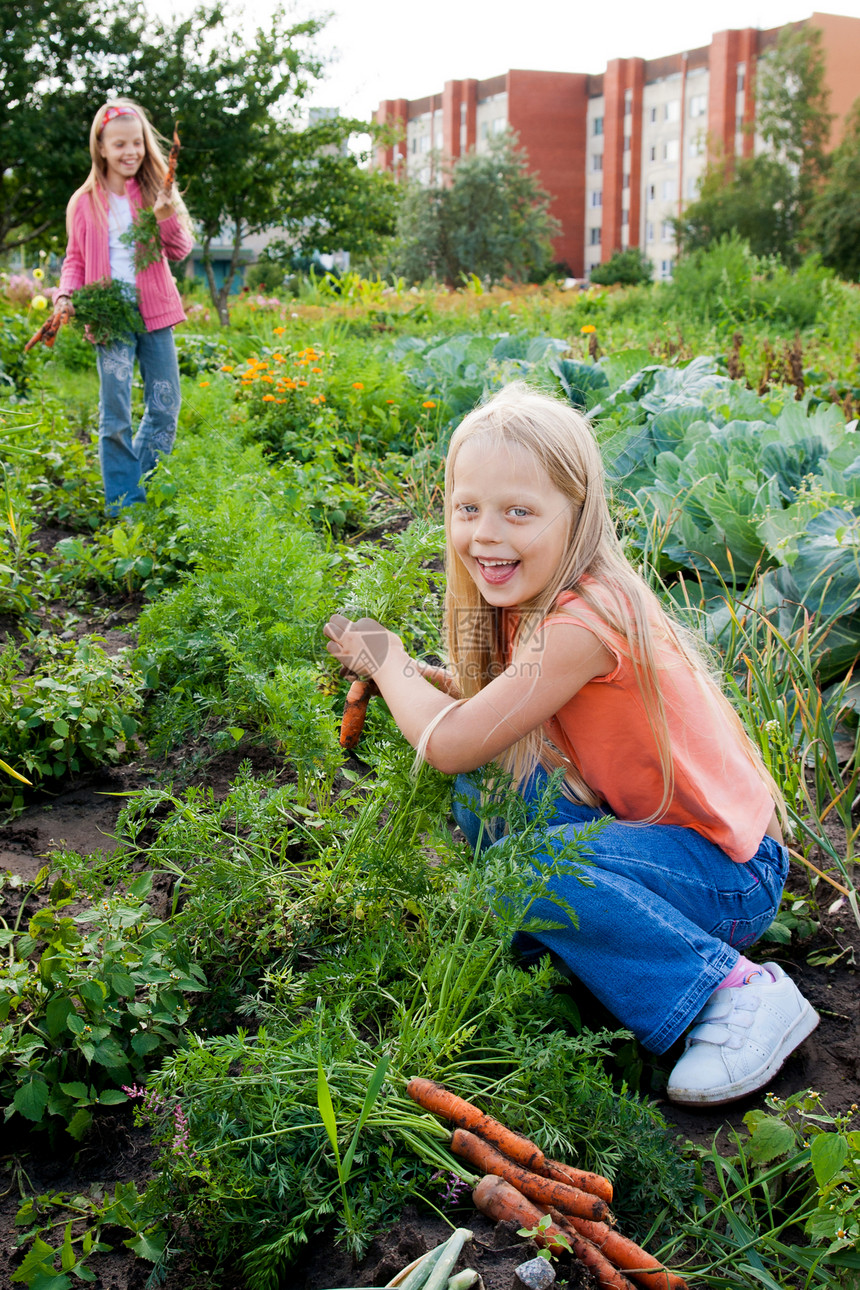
[76,706]
[85,1000]
[265,275]
[728,285]
[627,268]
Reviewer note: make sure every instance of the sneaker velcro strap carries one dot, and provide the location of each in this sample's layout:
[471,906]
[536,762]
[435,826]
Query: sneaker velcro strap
[709,1033]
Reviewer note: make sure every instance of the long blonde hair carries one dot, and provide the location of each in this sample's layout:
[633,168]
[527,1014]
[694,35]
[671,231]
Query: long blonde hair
[560,440]
[149,177]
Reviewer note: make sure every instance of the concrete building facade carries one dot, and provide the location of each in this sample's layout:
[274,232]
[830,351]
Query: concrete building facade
[622,152]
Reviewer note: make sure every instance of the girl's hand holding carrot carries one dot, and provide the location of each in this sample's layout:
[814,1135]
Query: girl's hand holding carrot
[163,206]
[361,647]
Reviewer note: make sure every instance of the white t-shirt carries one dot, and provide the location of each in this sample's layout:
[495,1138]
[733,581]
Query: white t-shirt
[121,256]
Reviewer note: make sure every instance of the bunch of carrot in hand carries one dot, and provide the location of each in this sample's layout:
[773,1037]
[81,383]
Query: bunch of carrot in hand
[521,1185]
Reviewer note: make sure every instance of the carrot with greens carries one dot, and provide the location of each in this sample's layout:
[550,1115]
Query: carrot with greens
[503,1202]
[355,712]
[543,1191]
[433,1097]
[625,1254]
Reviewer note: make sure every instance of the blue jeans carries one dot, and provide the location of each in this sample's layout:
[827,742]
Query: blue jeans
[664,920]
[125,462]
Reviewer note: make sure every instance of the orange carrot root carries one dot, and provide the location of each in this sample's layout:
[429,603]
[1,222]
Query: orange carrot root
[500,1200]
[433,1097]
[581,1178]
[47,333]
[543,1191]
[355,712]
[637,1263]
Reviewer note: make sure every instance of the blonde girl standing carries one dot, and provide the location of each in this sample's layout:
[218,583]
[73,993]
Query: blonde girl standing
[127,174]
[561,656]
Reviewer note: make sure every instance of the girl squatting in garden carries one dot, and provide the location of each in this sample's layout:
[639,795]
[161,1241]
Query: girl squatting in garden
[127,174]
[561,656]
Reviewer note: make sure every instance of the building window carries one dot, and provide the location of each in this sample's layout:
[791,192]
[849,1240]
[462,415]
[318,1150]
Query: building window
[742,76]
[593,266]
[670,150]
[625,180]
[649,231]
[652,152]
[485,129]
[652,192]
[670,190]
[594,237]
[424,143]
[625,218]
[698,105]
[697,146]
[666,268]
[667,231]
[628,101]
[652,115]
[627,143]
[597,197]
[463,137]
[597,128]
[499,125]
[597,161]
[672,110]
[693,188]
[413,147]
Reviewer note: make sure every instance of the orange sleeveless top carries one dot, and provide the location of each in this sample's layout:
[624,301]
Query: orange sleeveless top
[604,731]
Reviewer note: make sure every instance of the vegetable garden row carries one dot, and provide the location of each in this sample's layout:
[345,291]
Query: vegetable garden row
[255,977]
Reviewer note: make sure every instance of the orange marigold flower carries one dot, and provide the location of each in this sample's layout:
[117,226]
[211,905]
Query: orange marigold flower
[203,384]
[226,368]
[279,331]
[430,403]
[357,385]
[268,379]
[389,400]
[301,382]
[315,399]
[268,398]
[317,370]
[587,329]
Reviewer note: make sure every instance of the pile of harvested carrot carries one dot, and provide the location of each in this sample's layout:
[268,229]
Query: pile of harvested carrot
[523,1186]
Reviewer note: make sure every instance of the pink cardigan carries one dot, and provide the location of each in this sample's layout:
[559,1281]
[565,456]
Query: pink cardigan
[88,260]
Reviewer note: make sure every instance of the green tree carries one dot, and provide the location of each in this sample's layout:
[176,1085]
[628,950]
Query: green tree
[792,113]
[490,218]
[248,164]
[765,199]
[58,59]
[834,224]
[758,202]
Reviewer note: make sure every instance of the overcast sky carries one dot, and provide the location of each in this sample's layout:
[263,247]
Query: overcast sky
[402,49]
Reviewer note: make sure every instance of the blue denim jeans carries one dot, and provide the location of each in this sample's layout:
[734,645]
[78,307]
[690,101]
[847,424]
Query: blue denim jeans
[662,923]
[126,461]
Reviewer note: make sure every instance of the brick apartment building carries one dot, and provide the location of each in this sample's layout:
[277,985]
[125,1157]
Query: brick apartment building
[621,152]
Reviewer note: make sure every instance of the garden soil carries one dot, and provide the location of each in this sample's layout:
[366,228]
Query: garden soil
[83,817]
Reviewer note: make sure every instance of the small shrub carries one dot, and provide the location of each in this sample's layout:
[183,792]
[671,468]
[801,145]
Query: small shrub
[628,268]
[76,705]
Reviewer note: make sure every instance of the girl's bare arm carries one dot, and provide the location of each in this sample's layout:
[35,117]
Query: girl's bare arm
[544,675]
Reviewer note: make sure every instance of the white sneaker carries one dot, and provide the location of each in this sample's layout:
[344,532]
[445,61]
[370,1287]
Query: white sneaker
[740,1040]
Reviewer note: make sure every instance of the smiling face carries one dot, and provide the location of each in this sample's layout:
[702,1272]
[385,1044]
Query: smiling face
[510,525]
[123,148]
